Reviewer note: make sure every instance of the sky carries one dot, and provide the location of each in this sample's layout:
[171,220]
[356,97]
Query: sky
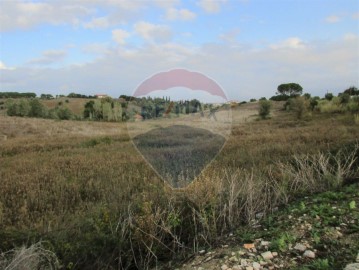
[248,47]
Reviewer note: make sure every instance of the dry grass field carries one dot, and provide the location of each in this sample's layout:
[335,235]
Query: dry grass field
[84,188]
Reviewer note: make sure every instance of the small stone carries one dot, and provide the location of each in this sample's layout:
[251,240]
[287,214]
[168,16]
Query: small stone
[265,243]
[244,262]
[233,254]
[275,254]
[224,267]
[201,252]
[357,259]
[234,259]
[309,254]
[249,268]
[208,259]
[300,247]
[200,268]
[248,246]
[352,266]
[241,253]
[256,266]
[236,267]
[267,255]
[263,263]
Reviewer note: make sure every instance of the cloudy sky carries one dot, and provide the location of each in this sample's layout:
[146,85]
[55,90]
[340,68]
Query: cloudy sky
[248,47]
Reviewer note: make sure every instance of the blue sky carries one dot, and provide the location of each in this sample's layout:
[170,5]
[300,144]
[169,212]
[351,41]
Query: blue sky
[110,46]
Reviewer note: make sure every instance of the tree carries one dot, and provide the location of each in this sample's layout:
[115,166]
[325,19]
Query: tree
[352,91]
[289,89]
[329,96]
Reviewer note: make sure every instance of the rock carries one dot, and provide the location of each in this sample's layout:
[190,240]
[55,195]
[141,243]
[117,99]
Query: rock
[241,253]
[248,246]
[267,255]
[275,254]
[236,267]
[352,266]
[256,266]
[357,259]
[300,247]
[201,252]
[265,243]
[309,254]
[233,259]
[244,262]
[200,268]
[208,259]
[249,268]
[224,267]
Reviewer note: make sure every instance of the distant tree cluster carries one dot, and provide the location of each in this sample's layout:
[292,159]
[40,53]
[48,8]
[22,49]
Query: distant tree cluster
[74,95]
[159,107]
[17,95]
[46,96]
[34,108]
[105,109]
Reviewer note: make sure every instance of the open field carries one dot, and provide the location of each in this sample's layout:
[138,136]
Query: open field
[84,188]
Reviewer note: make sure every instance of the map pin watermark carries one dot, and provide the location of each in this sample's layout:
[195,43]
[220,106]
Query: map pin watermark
[179,123]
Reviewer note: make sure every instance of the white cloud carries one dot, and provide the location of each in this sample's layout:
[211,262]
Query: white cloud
[49,57]
[290,43]
[120,36]
[230,36]
[317,67]
[24,15]
[332,19]
[180,14]
[211,6]
[166,3]
[97,23]
[153,32]
[355,16]
[350,37]
[4,67]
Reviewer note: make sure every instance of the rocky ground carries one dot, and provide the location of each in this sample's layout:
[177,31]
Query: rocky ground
[313,233]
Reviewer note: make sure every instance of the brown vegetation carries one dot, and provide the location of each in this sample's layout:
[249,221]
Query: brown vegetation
[84,187]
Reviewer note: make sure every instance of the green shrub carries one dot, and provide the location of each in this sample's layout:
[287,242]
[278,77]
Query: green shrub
[300,106]
[264,108]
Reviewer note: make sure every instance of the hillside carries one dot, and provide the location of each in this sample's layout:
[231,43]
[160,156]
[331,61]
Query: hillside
[82,191]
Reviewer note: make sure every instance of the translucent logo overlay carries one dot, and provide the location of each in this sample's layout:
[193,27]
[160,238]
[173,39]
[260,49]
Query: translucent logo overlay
[180,122]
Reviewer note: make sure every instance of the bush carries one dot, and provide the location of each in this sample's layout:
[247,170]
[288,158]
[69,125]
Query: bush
[37,109]
[64,113]
[300,106]
[252,100]
[264,108]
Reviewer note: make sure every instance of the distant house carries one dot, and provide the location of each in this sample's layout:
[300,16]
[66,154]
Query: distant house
[101,95]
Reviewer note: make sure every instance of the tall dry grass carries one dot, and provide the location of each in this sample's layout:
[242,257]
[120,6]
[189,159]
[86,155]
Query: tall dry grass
[101,206]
